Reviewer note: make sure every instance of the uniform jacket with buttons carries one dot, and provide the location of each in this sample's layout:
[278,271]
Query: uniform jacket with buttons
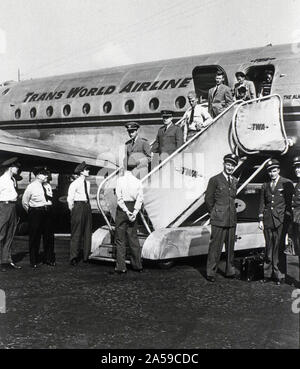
[220,201]
[275,206]
[168,141]
[139,150]
[296,204]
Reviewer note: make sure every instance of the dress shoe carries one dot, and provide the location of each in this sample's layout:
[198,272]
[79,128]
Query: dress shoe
[73,262]
[3,268]
[280,281]
[211,279]
[138,270]
[15,266]
[265,280]
[233,276]
[120,271]
[33,266]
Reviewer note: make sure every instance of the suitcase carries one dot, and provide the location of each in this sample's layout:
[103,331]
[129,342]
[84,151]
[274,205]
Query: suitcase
[252,268]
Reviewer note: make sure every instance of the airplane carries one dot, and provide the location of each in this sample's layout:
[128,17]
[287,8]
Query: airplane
[62,120]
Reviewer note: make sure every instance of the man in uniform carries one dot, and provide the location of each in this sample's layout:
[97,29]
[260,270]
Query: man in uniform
[195,118]
[296,207]
[274,217]
[8,215]
[169,137]
[220,200]
[129,194]
[81,214]
[219,97]
[137,148]
[35,201]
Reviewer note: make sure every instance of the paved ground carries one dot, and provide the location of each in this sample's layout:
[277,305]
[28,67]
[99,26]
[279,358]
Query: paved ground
[86,307]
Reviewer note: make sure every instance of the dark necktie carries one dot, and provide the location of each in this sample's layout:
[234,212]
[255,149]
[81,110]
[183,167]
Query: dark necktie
[273,184]
[47,197]
[86,191]
[215,92]
[229,180]
[192,115]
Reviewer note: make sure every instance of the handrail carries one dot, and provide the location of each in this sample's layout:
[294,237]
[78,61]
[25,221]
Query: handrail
[235,136]
[182,147]
[98,196]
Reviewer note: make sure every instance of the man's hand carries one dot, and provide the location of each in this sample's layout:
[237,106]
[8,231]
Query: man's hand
[198,126]
[261,225]
[133,216]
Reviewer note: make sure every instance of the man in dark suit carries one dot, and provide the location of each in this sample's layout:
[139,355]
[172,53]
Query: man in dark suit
[219,97]
[274,218]
[169,137]
[137,149]
[219,198]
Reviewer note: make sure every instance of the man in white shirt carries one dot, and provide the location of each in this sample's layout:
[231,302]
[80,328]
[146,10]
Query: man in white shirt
[8,215]
[81,214]
[195,118]
[37,204]
[129,194]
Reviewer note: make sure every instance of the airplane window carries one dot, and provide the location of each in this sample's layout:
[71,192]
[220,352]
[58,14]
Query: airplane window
[180,102]
[107,107]
[86,108]
[67,110]
[32,113]
[154,103]
[129,105]
[18,114]
[49,111]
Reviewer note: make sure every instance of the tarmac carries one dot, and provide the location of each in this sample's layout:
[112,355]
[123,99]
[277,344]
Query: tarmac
[87,307]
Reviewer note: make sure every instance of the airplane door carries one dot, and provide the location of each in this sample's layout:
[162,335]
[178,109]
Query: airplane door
[204,79]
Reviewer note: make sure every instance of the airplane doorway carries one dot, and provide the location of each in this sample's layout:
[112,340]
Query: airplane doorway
[262,76]
[204,79]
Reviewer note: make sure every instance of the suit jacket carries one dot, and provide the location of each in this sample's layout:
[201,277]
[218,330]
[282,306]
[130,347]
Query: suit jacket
[250,90]
[139,151]
[219,199]
[168,141]
[221,100]
[296,204]
[275,206]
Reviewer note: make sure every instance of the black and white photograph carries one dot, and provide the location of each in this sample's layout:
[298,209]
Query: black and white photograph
[149,177]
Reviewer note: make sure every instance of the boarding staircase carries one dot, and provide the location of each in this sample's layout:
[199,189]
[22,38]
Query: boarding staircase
[174,190]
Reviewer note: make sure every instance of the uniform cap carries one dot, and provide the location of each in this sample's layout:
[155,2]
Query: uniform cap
[39,170]
[132,126]
[272,163]
[296,161]
[81,167]
[12,162]
[167,113]
[231,158]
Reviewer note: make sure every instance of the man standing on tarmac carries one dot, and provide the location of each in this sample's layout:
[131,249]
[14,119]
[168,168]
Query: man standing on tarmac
[129,193]
[36,203]
[219,198]
[296,207]
[274,218]
[81,214]
[219,97]
[137,148]
[8,214]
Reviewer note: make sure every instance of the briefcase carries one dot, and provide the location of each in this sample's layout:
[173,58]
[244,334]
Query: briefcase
[252,268]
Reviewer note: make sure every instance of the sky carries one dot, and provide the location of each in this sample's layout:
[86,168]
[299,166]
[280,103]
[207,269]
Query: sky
[51,37]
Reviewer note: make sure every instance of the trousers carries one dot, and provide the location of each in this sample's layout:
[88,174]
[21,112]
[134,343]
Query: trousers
[81,230]
[8,225]
[275,258]
[126,230]
[40,221]
[219,236]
